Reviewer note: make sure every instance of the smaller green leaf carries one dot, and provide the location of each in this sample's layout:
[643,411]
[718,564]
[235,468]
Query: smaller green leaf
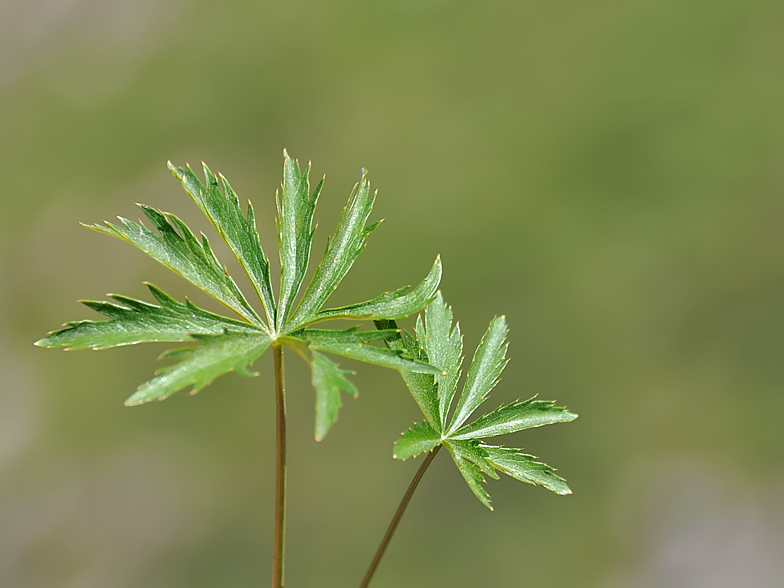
[525,468]
[218,354]
[486,367]
[422,437]
[328,380]
[514,417]
[134,321]
[474,479]
[295,232]
[440,345]
[390,305]
[473,451]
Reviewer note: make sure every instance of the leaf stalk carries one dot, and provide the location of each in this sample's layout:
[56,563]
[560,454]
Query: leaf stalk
[280,469]
[398,515]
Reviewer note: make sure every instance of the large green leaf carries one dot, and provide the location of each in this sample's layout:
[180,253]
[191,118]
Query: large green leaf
[444,348]
[178,249]
[514,417]
[134,321]
[342,249]
[295,233]
[487,365]
[390,305]
[525,468]
[240,233]
[231,345]
[420,438]
[328,380]
[217,354]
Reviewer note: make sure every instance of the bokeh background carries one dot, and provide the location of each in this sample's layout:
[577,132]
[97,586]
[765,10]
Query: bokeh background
[609,175]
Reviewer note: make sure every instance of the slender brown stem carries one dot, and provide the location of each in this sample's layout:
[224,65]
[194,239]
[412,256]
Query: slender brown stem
[398,515]
[280,470]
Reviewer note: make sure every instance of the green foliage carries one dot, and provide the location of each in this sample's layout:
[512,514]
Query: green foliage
[440,344]
[227,344]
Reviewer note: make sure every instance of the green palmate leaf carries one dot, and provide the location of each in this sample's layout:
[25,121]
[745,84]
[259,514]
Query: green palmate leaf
[440,344]
[295,232]
[328,380]
[198,366]
[134,321]
[224,211]
[525,468]
[444,348]
[422,437]
[178,249]
[231,345]
[342,249]
[515,417]
[487,365]
[390,305]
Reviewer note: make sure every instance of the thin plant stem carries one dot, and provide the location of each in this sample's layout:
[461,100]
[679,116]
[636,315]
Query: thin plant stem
[280,469]
[398,515]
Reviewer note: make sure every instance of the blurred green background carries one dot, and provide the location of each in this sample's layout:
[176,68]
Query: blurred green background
[608,175]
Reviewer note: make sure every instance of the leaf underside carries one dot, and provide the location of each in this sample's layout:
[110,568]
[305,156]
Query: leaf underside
[217,354]
[226,344]
[328,380]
